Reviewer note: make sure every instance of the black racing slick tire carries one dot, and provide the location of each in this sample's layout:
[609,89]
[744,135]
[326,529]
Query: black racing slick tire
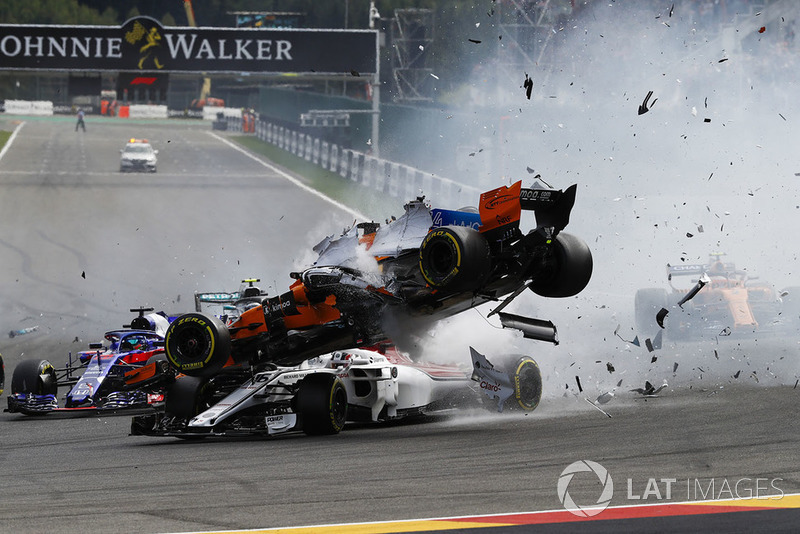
[322,404]
[188,396]
[527,379]
[197,344]
[34,376]
[571,269]
[454,258]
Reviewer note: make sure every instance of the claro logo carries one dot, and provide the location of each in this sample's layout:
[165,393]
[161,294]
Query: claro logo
[491,387]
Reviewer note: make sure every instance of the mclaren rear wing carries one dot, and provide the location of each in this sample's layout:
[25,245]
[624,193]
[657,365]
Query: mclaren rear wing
[503,206]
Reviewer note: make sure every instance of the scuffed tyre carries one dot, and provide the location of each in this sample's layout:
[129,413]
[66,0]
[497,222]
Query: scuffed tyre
[322,404]
[527,379]
[454,258]
[570,270]
[188,396]
[37,377]
[647,303]
[197,344]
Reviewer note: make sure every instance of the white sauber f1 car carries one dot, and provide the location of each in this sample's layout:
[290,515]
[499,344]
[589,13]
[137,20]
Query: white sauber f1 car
[322,393]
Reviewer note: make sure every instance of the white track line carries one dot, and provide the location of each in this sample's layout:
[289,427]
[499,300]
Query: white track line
[11,139]
[292,179]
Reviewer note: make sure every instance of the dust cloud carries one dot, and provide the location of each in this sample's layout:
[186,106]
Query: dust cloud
[709,167]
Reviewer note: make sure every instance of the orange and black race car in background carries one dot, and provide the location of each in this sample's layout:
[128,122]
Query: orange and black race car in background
[725,301]
[429,263]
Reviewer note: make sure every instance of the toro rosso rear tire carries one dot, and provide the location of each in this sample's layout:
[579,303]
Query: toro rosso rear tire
[322,404]
[527,379]
[571,271]
[197,344]
[454,258]
[36,377]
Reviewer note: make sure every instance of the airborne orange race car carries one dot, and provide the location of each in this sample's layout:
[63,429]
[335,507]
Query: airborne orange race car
[373,281]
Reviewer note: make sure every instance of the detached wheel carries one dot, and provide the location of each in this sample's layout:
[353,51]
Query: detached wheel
[454,258]
[197,344]
[571,269]
[527,379]
[322,404]
[2,374]
[36,377]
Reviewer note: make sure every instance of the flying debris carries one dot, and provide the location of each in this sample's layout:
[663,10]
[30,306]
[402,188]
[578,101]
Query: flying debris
[649,390]
[597,407]
[474,41]
[643,106]
[23,331]
[725,331]
[578,380]
[635,339]
[657,340]
[696,289]
[661,315]
[528,85]
[610,367]
[603,398]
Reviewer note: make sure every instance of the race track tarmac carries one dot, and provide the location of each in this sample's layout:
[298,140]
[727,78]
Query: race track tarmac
[80,244]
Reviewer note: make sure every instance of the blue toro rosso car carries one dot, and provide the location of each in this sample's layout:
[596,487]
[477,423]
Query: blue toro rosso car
[95,377]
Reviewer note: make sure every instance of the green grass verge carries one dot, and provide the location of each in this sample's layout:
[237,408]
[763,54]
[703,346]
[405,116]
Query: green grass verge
[364,199]
[4,135]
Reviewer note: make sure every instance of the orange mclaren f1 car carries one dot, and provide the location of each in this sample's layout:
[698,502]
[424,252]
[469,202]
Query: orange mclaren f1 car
[371,280]
[428,263]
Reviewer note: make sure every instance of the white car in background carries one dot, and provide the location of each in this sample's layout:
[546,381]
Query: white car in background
[138,155]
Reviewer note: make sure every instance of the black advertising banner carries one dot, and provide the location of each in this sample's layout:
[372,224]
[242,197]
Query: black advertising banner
[142,44]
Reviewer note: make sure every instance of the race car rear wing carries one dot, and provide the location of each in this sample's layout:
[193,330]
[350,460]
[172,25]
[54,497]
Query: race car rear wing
[221,297]
[215,298]
[503,206]
[696,269]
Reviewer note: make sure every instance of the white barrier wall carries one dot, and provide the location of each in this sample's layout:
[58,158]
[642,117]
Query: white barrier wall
[210,112]
[29,107]
[145,111]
